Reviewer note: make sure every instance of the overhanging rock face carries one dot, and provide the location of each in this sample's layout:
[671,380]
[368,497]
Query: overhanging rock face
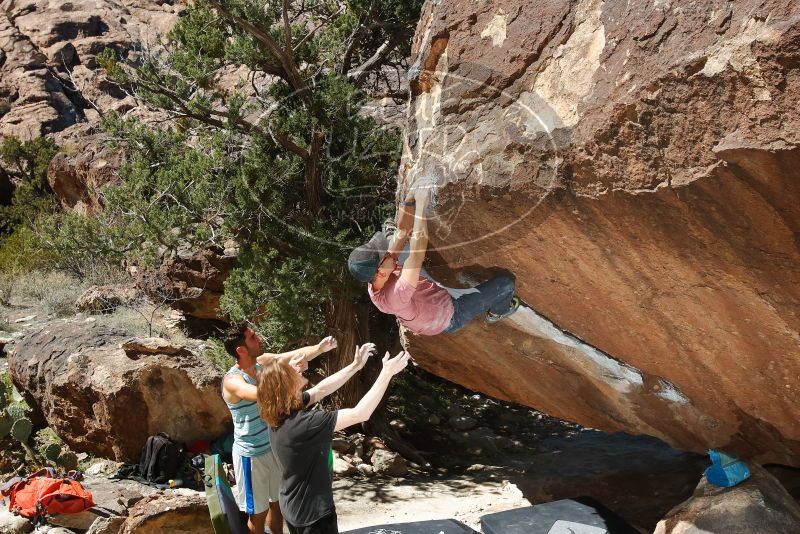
[636,165]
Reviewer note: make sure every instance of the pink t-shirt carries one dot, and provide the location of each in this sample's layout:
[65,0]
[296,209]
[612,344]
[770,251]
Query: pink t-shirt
[426,309]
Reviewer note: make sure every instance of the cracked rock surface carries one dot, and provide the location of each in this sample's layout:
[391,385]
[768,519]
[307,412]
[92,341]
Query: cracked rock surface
[635,165]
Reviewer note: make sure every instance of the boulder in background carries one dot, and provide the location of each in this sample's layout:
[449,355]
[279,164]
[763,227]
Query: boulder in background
[103,399]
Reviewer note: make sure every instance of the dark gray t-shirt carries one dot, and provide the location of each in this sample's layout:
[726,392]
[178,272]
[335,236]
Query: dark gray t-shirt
[301,446]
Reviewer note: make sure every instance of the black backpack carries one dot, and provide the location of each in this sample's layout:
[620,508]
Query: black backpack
[161,459]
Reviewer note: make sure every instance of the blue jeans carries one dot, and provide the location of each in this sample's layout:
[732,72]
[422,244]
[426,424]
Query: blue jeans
[493,295]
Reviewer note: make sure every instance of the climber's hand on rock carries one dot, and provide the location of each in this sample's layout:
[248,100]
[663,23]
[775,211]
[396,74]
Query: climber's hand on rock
[420,190]
[422,194]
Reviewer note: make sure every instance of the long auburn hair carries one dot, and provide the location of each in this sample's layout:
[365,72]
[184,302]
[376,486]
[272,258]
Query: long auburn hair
[277,391]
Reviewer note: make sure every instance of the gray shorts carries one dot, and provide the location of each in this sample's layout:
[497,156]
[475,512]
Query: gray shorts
[258,480]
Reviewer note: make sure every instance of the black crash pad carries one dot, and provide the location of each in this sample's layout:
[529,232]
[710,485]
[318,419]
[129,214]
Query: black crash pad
[438,526]
[568,516]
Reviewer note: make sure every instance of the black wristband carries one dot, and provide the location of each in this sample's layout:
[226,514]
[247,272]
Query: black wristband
[408,202]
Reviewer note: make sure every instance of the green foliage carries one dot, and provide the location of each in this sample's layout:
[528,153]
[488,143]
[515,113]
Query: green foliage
[24,251]
[285,163]
[7,386]
[79,245]
[16,411]
[5,425]
[67,460]
[13,419]
[216,352]
[50,447]
[26,162]
[51,452]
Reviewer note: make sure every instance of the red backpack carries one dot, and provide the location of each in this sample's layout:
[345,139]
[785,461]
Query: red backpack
[45,492]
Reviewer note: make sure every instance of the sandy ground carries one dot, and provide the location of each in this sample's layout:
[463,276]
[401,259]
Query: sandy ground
[361,503]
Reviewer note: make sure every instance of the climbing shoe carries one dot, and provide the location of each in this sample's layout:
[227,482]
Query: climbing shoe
[494,317]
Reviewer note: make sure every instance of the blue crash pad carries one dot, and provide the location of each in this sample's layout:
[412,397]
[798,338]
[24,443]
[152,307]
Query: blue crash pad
[568,516]
[438,526]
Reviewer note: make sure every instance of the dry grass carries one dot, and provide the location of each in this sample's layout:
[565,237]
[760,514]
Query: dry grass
[130,320]
[7,326]
[216,353]
[6,289]
[145,320]
[51,293]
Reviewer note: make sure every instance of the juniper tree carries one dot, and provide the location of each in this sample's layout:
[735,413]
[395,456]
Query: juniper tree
[23,169]
[284,161]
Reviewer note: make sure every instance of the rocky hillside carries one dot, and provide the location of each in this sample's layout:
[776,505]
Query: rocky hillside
[634,164]
[51,83]
[50,79]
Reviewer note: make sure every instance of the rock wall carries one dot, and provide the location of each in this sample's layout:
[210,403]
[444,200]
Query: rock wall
[635,165]
[104,392]
[50,77]
[51,84]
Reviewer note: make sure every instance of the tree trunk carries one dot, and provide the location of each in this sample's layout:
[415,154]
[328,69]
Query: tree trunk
[348,327]
[355,323]
[313,171]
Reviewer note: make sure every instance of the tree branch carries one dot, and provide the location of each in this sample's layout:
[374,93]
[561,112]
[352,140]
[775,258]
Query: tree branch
[204,114]
[287,30]
[292,74]
[360,73]
[309,35]
[351,47]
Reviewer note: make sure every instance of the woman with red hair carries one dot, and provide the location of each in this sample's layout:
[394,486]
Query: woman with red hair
[301,437]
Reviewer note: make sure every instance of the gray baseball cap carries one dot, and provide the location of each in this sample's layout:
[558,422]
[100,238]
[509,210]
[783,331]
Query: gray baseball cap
[364,260]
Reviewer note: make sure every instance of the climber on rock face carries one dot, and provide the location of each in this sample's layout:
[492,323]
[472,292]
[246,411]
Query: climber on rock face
[422,305]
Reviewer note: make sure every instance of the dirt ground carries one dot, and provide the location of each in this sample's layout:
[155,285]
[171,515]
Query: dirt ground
[638,478]
[361,503]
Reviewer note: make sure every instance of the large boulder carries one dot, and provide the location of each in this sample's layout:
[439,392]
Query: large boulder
[105,393]
[174,512]
[634,165]
[759,504]
[107,298]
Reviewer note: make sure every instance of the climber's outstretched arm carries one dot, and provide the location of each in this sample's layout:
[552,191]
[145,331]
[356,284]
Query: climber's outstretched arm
[419,239]
[405,224]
